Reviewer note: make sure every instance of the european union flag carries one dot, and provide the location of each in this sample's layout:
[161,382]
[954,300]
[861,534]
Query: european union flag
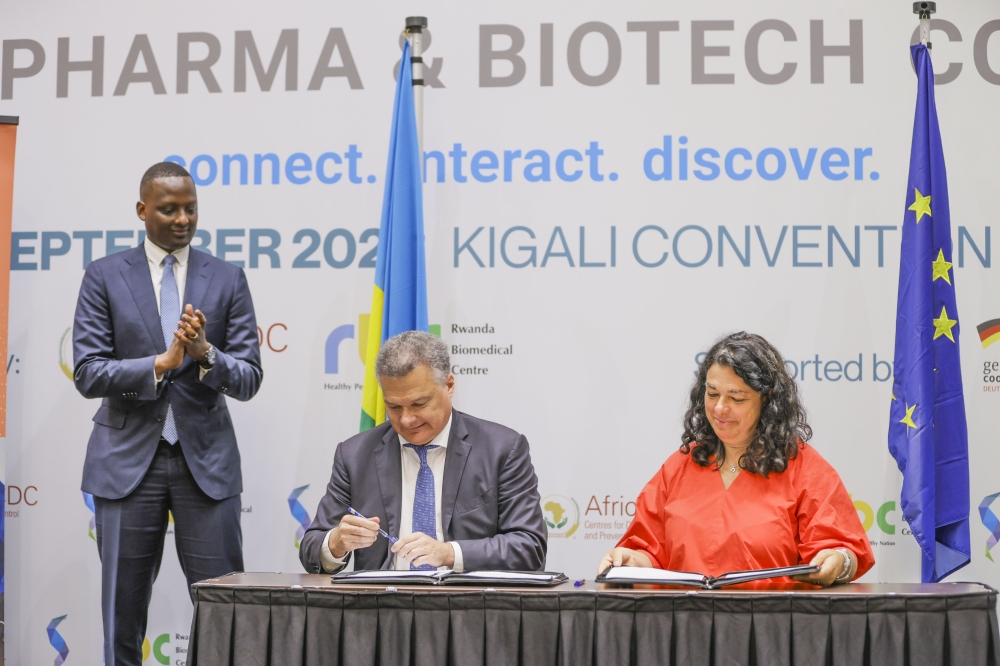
[927,431]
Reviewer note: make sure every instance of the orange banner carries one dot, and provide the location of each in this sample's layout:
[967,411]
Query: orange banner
[8,139]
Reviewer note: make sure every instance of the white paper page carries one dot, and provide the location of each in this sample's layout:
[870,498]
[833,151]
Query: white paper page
[507,575]
[652,575]
[401,574]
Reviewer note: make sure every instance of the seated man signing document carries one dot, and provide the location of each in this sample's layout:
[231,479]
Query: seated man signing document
[458,492]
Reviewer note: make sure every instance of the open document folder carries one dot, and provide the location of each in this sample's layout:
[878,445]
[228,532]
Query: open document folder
[667,577]
[449,577]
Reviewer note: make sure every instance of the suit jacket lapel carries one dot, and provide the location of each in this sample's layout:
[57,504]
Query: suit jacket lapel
[199,277]
[454,466]
[136,274]
[390,479]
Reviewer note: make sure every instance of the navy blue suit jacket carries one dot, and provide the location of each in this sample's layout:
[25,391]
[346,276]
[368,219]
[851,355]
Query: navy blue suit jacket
[489,497]
[117,335]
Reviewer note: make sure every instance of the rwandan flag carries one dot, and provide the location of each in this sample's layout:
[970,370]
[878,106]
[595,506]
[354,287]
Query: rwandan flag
[399,301]
[927,431]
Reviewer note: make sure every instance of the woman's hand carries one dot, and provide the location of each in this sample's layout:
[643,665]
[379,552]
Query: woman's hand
[624,557]
[831,565]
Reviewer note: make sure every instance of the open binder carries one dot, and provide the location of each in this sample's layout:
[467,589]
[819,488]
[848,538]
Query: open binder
[643,575]
[449,577]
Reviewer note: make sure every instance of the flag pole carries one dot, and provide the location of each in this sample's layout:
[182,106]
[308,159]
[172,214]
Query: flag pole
[414,29]
[924,11]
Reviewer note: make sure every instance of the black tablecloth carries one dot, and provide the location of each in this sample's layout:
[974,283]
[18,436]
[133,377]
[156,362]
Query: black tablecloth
[303,620]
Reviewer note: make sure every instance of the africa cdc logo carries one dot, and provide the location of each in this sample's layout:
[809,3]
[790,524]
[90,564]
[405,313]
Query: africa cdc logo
[562,515]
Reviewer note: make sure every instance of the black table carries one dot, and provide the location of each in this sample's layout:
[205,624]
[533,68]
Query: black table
[304,620]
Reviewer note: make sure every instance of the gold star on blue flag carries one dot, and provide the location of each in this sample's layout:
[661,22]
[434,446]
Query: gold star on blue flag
[928,436]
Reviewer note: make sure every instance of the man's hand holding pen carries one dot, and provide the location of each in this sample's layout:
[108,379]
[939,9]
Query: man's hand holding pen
[352,533]
[355,531]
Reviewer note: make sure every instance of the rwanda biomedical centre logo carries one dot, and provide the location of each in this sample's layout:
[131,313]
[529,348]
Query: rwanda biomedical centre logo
[331,351]
[562,516]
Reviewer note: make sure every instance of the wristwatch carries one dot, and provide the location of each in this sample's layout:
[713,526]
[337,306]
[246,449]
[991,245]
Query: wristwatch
[209,360]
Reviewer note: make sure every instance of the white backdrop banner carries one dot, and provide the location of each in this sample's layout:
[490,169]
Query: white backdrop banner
[609,188]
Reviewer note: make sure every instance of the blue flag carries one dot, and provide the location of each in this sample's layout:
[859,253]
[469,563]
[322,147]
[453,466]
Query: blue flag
[399,298]
[927,431]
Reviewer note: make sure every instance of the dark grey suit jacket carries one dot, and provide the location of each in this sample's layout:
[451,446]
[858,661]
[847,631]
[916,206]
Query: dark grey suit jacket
[116,337]
[489,499]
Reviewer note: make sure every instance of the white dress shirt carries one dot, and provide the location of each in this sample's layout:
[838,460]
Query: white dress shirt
[154,258]
[410,460]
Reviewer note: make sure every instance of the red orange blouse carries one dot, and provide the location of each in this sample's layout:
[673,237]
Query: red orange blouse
[686,520]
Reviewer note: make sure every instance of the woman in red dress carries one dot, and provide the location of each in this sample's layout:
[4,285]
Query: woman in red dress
[745,491]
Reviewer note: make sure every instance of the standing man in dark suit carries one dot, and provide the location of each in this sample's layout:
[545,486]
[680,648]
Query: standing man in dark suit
[163,439]
[459,492]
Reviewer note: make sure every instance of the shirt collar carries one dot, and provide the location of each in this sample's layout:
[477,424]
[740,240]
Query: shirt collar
[441,439]
[157,254]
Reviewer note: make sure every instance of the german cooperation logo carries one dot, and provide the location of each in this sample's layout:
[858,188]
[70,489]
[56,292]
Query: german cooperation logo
[989,332]
[562,516]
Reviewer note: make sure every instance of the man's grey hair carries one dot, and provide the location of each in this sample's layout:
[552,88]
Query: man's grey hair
[401,354]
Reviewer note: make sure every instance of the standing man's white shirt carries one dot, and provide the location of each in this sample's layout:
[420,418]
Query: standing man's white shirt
[410,460]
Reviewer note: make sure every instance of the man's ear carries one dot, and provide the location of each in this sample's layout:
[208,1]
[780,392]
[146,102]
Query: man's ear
[140,210]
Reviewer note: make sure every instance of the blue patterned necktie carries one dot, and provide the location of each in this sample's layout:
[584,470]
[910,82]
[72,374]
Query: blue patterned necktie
[424,513]
[170,314]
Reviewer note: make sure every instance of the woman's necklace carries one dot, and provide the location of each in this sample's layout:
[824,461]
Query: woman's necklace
[733,468]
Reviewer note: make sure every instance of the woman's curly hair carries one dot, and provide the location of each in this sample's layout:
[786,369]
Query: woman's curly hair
[782,424]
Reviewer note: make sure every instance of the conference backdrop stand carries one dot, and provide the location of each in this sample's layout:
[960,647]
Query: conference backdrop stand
[281,619]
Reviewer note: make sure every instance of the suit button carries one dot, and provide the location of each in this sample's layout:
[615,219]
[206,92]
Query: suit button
[159,417]
[172,381]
